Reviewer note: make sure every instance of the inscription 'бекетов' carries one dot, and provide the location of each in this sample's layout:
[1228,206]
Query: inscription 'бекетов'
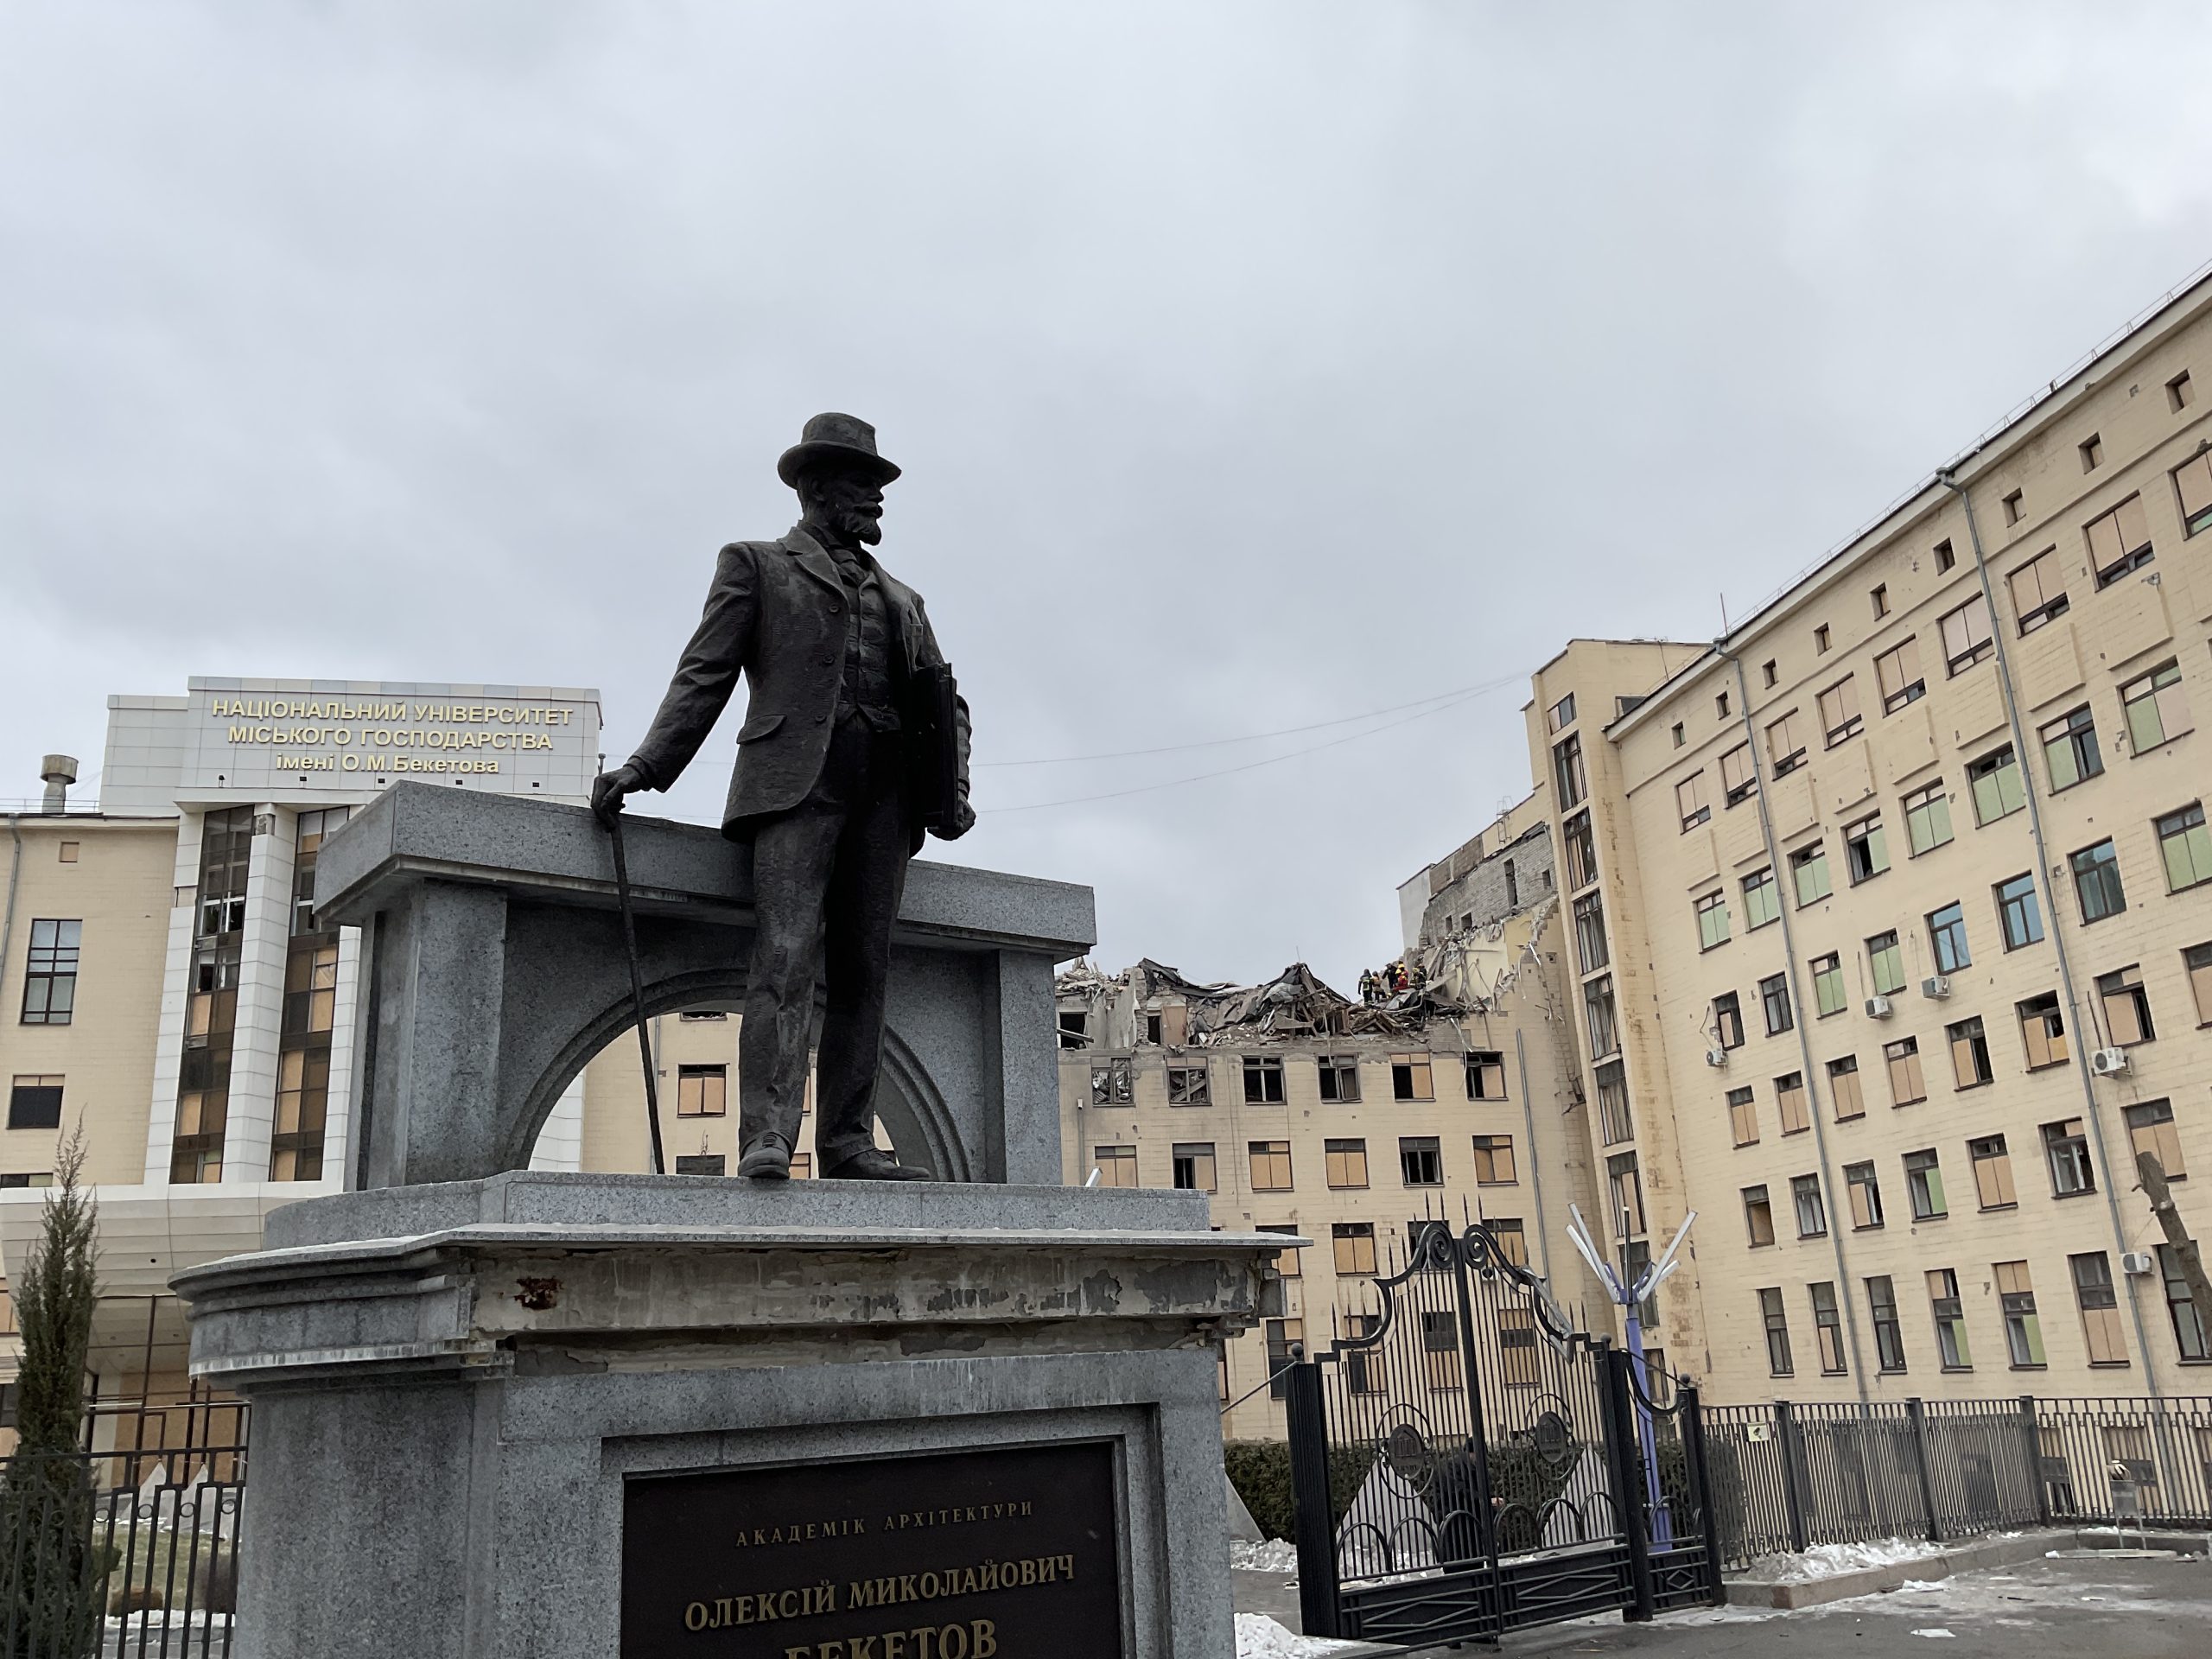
[1002,1554]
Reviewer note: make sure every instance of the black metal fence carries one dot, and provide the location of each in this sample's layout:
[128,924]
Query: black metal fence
[1786,1476]
[1465,1462]
[127,1549]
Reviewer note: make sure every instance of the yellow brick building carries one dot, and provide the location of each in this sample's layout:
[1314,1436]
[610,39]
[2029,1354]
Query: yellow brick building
[1893,911]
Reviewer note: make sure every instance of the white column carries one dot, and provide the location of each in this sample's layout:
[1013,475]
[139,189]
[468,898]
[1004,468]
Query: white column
[176,997]
[560,1142]
[340,1116]
[252,1113]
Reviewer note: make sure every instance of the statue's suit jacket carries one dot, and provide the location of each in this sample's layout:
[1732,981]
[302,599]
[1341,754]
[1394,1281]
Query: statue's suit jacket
[777,611]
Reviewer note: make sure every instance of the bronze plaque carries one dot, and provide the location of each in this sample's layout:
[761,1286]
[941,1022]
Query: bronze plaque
[1006,1553]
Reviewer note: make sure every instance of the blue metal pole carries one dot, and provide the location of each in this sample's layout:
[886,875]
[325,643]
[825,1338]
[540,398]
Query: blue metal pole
[1663,1525]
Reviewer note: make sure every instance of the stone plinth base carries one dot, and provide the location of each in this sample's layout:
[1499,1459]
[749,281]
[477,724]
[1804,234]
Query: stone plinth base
[819,1414]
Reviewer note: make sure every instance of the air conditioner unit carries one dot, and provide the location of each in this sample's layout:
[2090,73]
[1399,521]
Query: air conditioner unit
[2136,1261]
[2109,1062]
[1935,987]
[1877,1007]
[1716,1057]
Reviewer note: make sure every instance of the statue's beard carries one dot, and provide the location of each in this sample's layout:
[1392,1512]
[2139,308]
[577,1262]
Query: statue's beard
[862,527]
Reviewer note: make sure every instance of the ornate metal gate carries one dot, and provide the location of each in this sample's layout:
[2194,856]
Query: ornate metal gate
[1465,1462]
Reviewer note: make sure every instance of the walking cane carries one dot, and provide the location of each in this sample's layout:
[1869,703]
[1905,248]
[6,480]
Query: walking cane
[637,989]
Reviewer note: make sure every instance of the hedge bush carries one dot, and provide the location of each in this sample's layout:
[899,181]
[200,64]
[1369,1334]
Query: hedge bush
[1260,1471]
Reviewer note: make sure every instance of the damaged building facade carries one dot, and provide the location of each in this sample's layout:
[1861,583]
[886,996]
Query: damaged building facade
[1302,1111]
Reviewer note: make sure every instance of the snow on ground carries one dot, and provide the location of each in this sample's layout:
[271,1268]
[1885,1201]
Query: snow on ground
[1259,1636]
[1829,1560]
[1269,1555]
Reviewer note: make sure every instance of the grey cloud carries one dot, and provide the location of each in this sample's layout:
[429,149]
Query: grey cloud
[1252,364]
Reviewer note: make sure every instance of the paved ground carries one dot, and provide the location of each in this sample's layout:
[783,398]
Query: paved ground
[2072,1608]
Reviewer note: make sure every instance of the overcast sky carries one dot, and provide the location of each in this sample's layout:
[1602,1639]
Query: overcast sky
[1253,366]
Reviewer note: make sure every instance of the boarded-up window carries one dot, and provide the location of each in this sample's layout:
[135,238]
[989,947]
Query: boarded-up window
[1346,1162]
[1843,1090]
[1790,1099]
[2150,1129]
[1353,1243]
[1117,1166]
[1270,1162]
[1907,1086]
[1743,1116]
[1494,1161]
[1992,1172]
[2043,1030]
[2093,1292]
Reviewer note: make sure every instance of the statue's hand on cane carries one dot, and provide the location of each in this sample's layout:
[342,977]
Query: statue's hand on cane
[608,791]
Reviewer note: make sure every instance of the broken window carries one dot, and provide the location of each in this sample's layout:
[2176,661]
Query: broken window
[1194,1167]
[1074,1025]
[2127,1005]
[1421,1160]
[1581,852]
[1867,849]
[1590,931]
[1614,1120]
[1187,1085]
[1598,1009]
[1969,1054]
[1339,1078]
[1728,1019]
[1567,774]
[1262,1080]
[1112,1081]
[1410,1078]
[1485,1074]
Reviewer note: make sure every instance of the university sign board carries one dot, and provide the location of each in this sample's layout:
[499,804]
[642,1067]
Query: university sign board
[229,740]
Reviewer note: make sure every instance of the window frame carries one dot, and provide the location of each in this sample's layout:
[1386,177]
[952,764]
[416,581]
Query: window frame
[2128,548]
[1994,769]
[2187,831]
[2048,607]
[1926,807]
[1976,639]
[2074,734]
[1923,1185]
[2023,904]
[1899,676]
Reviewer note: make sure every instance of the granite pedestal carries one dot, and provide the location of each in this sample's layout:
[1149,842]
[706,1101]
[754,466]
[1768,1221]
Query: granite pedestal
[823,1415]
[496,970]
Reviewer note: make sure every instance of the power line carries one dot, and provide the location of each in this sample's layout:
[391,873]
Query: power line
[1439,697]
[1253,765]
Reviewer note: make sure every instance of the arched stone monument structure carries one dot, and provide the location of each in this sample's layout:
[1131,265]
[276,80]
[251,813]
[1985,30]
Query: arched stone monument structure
[496,971]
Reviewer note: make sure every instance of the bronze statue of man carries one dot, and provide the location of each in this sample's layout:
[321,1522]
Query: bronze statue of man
[854,742]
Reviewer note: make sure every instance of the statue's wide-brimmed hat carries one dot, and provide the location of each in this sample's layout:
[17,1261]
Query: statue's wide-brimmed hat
[842,438]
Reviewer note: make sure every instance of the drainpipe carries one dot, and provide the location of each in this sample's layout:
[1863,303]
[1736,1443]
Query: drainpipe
[14,879]
[1829,1192]
[1528,1118]
[2048,887]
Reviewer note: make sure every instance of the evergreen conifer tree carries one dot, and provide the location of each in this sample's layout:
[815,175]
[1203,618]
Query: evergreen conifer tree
[51,1588]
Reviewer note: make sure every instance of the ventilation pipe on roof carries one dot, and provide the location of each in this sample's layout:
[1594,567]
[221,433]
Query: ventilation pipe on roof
[57,771]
